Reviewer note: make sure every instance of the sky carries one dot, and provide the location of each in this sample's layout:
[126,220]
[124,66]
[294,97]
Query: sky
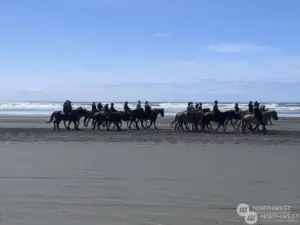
[155,50]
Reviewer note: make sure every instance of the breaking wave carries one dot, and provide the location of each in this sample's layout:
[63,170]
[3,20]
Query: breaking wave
[171,108]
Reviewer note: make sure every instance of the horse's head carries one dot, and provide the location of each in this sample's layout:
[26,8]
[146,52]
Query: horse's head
[161,111]
[274,115]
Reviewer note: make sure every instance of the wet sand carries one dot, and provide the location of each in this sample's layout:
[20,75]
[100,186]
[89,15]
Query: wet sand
[142,177]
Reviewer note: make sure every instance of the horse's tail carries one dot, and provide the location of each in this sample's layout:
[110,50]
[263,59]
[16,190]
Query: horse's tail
[175,119]
[51,118]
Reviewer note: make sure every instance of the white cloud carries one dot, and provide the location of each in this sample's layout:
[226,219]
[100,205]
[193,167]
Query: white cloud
[163,34]
[236,48]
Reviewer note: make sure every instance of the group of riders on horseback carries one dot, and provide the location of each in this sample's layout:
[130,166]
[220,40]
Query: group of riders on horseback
[106,115]
[67,107]
[109,114]
[255,109]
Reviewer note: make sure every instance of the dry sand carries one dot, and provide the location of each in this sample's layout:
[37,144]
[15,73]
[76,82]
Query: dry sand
[142,177]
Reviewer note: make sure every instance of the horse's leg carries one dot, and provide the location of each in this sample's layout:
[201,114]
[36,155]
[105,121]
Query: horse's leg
[224,127]
[186,126]
[76,126]
[128,123]
[176,126]
[218,126]
[94,125]
[54,124]
[108,125]
[231,121]
[151,122]
[68,127]
[117,123]
[99,124]
[181,126]
[270,120]
[154,123]
[137,124]
[234,124]
[142,124]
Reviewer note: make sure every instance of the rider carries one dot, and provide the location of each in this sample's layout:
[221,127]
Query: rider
[70,108]
[112,108]
[138,105]
[106,109]
[200,106]
[147,108]
[237,110]
[257,113]
[99,106]
[190,109]
[94,108]
[216,108]
[250,107]
[126,107]
[65,107]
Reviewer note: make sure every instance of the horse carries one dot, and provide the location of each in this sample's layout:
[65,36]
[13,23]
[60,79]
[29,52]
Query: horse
[233,115]
[87,117]
[136,116]
[74,116]
[219,117]
[110,117]
[250,119]
[153,116]
[270,118]
[183,118]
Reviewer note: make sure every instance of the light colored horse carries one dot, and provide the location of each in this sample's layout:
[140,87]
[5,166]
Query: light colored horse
[182,118]
[250,119]
[239,120]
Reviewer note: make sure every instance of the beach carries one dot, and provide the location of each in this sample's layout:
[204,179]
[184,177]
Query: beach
[144,177]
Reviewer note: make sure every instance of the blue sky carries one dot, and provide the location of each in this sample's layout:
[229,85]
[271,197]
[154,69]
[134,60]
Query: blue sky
[174,50]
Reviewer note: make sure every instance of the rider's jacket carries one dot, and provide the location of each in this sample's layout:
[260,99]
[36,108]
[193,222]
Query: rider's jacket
[126,107]
[250,108]
[216,108]
[257,112]
[147,108]
[94,108]
[236,109]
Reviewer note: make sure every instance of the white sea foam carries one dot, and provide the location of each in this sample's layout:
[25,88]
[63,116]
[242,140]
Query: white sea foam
[170,108]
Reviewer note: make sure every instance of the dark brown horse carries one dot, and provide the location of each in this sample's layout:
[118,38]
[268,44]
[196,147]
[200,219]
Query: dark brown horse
[74,116]
[218,117]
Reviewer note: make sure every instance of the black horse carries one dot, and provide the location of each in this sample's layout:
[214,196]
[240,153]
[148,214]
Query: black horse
[136,116]
[74,116]
[142,116]
[153,116]
[110,117]
[87,117]
[218,117]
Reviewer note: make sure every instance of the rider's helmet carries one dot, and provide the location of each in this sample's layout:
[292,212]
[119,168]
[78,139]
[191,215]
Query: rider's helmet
[216,102]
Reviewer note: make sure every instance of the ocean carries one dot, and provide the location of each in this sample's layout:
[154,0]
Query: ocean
[284,109]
